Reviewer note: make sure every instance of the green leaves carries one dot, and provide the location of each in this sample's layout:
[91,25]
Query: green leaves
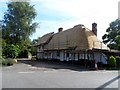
[17,26]
[112,61]
[112,38]
[12,51]
[18,21]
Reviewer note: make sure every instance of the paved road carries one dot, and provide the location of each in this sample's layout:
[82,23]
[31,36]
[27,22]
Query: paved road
[46,75]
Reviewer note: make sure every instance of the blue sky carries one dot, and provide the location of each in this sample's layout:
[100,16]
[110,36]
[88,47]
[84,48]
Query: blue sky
[52,14]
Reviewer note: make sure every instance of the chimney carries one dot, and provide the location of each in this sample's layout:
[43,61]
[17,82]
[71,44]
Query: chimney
[94,28]
[60,29]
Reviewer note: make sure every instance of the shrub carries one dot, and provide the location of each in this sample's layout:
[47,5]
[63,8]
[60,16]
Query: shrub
[112,61]
[12,51]
[33,58]
[1,58]
[118,61]
[8,62]
[1,61]
[29,55]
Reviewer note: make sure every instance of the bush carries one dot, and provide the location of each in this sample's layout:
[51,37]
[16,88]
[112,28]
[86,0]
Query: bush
[8,62]
[118,61]
[29,55]
[112,61]
[33,58]
[1,58]
[12,51]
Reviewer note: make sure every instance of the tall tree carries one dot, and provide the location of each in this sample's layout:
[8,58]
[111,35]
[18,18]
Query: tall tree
[18,26]
[112,37]
[18,22]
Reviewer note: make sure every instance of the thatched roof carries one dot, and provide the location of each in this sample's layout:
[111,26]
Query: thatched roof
[78,37]
[45,39]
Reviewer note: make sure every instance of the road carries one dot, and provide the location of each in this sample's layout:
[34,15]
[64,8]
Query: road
[34,74]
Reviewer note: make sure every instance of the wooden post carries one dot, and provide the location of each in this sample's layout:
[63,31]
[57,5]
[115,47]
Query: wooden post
[78,55]
[101,54]
[85,58]
[64,54]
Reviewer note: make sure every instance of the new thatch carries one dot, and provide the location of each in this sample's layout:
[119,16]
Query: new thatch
[78,37]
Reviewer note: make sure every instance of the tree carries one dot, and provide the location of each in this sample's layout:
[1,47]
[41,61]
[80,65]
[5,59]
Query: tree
[34,41]
[17,24]
[112,37]
[33,48]
[0,50]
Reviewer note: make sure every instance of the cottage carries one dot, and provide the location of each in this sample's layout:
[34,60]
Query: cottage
[74,44]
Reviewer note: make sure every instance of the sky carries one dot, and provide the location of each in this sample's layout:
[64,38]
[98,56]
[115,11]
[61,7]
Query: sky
[52,14]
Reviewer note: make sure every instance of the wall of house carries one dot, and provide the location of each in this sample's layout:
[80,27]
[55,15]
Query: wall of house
[100,57]
[61,56]
[39,55]
[70,56]
[40,52]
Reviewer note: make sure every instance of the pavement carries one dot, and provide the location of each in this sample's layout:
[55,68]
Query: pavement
[37,74]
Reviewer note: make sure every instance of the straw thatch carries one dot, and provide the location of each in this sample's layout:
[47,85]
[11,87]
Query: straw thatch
[45,39]
[78,37]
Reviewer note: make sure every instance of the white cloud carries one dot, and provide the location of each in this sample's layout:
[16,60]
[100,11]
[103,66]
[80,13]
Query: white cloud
[83,12]
[77,8]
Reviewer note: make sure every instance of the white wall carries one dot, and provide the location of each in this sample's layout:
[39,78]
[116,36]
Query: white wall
[39,55]
[99,58]
[61,56]
[76,57]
